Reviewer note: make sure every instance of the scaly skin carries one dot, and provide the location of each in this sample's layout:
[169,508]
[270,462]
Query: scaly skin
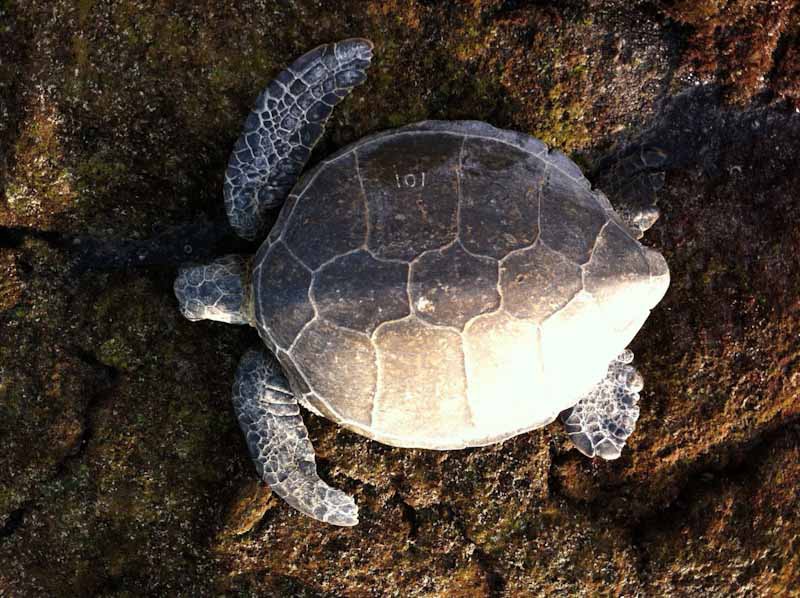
[278,441]
[601,422]
[216,291]
[287,121]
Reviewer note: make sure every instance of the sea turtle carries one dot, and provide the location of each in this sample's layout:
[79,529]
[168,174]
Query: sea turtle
[442,285]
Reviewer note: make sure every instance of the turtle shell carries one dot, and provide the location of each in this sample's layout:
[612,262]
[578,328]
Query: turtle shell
[449,284]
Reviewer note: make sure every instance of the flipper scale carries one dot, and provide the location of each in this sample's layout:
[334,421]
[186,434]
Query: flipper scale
[278,441]
[287,121]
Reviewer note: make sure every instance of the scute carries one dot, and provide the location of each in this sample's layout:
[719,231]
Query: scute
[618,275]
[500,188]
[422,398]
[284,308]
[450,286]
[329,218]
[570,217]
[339,366]
[575,347]
[359,292]
[537,281]
[505,376]
[411,187]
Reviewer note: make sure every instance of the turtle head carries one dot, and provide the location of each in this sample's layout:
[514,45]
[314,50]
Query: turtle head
[217,291]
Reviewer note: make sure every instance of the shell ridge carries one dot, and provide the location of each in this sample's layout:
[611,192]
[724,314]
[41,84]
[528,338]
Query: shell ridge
[258,279]
[387,322]
[302,330]
[367,214]
[538,238]
[312,299]
[294,256]
[459,176]
[539,203]
[470,412]
[378,373]
[378,381]
[475,254]
[390,260]
[338,256]
[427,324]
[591,254]
[409,298]
[596,241]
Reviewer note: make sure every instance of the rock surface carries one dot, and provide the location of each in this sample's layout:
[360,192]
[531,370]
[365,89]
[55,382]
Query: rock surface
[123,471]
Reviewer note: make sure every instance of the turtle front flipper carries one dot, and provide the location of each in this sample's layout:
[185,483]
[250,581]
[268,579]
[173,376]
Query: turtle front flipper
[287,121]
[600,423]
[278,441]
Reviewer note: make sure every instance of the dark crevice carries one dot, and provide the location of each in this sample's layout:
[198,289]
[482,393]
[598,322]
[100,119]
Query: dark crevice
[410,517]
[557,458]
[676,35]
[12,237]
[788,39]
[105,378]
[737,464]
[494,579]
[695,133]
[13,521]
[733,463]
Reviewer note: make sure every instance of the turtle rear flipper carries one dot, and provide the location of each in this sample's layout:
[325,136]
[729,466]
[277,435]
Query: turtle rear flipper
[278,441]
[632,181]
[287,121]
[600,423]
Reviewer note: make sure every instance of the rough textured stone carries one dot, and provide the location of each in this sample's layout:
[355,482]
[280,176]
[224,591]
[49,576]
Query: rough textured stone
[121,456]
